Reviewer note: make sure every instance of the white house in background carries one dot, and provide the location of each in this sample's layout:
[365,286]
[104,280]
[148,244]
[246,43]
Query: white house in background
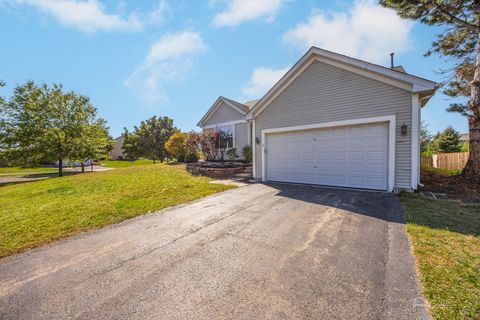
[465,137]
[332,120]
[117,152]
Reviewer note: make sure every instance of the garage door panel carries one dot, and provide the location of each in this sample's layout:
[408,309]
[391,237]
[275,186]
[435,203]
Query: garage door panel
[336,144]
[338,155]
[376,155]
[375,130]
[356,143]
[376,168]
[374,142]
[355,156]
[357,168]
[338,180]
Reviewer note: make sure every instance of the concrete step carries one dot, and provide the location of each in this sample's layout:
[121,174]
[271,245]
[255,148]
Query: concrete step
[242,176]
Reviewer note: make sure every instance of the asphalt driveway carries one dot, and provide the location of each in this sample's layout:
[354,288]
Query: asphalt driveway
[257,252]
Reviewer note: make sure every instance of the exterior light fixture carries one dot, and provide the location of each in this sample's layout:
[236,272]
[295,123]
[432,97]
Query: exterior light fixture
[403,129]
[257,140]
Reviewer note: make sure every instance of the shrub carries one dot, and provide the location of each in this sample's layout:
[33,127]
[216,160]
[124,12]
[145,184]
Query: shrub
[247,154]
[176,146]
[190,157]
[181,158]
[446,141]
[232,153]
[211,144]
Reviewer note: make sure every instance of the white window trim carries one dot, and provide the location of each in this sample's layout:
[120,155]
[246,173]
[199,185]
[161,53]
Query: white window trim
[415,144]
[392,119]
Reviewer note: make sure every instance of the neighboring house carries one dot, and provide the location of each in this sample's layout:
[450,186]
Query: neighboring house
[117,152]
[465,137]
[332,120]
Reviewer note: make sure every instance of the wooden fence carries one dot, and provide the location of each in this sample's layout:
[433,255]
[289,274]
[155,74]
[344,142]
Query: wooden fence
[449,161]
[428,161]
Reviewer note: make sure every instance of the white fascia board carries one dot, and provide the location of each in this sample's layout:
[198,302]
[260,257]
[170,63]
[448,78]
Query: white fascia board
[418,83]
[392,77]
[216,125]
[210,111]
[214,108]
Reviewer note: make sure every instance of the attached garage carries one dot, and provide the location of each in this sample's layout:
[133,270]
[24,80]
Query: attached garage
[334,120]
[344,156]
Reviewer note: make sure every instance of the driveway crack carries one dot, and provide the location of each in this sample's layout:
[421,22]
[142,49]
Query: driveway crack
[148,252]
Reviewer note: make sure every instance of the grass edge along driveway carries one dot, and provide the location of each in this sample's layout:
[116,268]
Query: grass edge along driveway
[35,213]
[446,241]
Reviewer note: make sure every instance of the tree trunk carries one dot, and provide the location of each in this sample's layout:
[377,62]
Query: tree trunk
[91,165]
[83,166]
[60,167]
[153,160]
[472,168]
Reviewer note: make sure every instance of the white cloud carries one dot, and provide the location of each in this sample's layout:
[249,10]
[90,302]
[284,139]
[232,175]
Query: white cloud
[161,13]
[174,45]
[239,11]
[262,80]
[90,15]
[368,31]
[170,59]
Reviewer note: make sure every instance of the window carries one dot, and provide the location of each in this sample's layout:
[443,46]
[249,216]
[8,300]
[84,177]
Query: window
[226,138]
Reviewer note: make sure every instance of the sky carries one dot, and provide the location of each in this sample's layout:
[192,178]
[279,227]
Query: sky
[136,59]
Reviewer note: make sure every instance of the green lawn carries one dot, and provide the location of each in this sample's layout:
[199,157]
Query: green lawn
[8,171]
[126,163]
[445,172]
[38,212]
[446,241]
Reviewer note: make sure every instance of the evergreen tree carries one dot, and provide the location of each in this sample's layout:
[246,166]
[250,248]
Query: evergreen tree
[461,41]
[447,141]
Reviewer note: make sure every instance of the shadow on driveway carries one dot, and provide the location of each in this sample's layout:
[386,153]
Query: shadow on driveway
[380,205]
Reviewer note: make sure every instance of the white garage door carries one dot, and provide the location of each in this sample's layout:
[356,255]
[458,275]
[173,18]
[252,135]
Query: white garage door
[355,156]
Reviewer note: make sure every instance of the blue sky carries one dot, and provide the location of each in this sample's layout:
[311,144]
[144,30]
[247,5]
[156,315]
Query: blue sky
[135,59]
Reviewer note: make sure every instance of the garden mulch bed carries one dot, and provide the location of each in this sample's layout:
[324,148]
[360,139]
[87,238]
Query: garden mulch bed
[454,186]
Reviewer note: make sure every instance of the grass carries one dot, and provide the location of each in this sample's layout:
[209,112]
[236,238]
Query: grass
[446,241]
[7,171]
[445,172]
[126,163]
[35,213]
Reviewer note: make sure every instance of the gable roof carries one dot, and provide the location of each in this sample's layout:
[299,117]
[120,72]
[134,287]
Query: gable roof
[414,84]
[251,103]
[239,107]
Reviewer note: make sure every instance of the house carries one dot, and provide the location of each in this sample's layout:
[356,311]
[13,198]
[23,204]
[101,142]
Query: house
[332,120]
[117,152]
[465,138]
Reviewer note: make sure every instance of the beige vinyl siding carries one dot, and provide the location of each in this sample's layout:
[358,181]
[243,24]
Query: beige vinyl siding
[224,113]
[323,93]
[241,137]
[117,151]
